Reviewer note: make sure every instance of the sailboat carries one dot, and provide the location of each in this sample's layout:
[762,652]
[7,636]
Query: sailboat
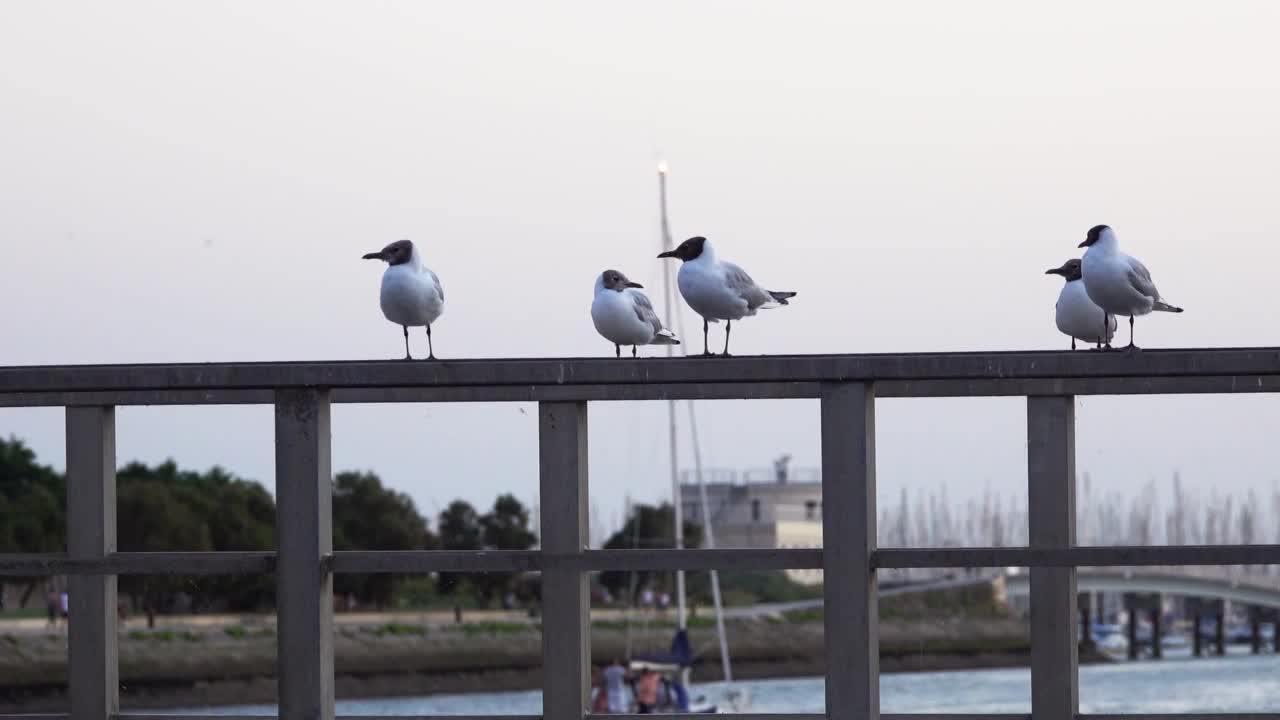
[680,657]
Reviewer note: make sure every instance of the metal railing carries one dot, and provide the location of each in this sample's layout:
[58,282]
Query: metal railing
[847,387]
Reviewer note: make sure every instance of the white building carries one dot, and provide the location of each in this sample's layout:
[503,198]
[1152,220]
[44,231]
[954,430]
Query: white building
[777,508]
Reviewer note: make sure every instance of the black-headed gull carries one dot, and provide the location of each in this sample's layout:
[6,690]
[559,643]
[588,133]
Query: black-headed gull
[624,315]
[719,290]
[1118,283]
[411,294]
[1076,315]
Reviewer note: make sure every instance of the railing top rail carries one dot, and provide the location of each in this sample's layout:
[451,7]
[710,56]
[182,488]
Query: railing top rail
[964,366]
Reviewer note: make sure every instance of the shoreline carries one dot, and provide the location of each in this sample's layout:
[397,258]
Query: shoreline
[168,674]
[172,694]
[204,665]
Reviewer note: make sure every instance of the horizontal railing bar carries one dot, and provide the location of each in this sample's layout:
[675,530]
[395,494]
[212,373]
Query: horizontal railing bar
[414,561]
[361,561]
[479,393]
[718,559]
[1178,716]
[1207,384]
[583,393]
[753,716]
[145,563]
[696,716]
[955,716]
[149,716]
[1018,365]
[424,561]
[1078,556]
[1185,385]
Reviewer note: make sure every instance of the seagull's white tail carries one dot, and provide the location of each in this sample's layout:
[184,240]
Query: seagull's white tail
[1162,306]
[664,337]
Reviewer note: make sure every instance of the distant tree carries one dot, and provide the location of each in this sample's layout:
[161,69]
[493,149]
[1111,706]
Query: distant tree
[505,527]
[460,529]
[163,507]
[156,519]
[33,501]
[369,516]
[648,527]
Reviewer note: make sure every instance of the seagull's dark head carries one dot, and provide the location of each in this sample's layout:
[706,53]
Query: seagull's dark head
[688,250]
[1095,234]
[397,253]
[1069,270]
[616,281]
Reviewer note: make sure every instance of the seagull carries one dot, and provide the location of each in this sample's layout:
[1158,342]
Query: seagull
[1076,315]
[411,294]
[719,290]
[624,315]
[1116,282]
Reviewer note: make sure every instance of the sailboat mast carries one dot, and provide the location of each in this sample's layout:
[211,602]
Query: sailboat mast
[669,302]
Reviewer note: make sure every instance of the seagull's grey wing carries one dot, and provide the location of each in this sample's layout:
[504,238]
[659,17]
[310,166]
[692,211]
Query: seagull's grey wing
[744,287]
[645,311]
[435,279]
[1140,279]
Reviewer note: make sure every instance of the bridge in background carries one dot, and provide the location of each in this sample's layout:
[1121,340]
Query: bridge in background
[845,386]
[1159,581]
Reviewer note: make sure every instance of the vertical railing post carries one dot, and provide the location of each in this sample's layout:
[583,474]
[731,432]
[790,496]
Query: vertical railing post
[91,535]
[1051,499]
[304,583]
[562,474]
[850,610]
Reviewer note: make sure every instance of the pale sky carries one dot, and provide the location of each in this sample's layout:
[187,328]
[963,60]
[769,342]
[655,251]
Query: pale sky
[197,182]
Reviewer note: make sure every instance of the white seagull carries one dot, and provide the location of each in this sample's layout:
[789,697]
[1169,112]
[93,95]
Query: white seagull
[624,315]
[719,290]
[1116,282]
[411,294]
[1076,315]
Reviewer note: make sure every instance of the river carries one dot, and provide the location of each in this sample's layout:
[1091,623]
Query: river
[1174,685]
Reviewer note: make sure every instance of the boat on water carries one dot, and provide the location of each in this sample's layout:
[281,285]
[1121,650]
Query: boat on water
[673,695]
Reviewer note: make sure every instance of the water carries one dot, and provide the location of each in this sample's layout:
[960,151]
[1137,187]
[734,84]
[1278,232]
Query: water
[1231,684]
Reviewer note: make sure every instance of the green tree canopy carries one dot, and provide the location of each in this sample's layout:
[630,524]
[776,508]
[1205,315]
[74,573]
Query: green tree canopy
[369,516]
[647,527]
[165,508]
[460,529]
[505,527]
[33,501]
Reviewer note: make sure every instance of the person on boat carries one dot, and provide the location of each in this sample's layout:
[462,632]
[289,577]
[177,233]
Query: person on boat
[600,697]
[647,691]
[615,687]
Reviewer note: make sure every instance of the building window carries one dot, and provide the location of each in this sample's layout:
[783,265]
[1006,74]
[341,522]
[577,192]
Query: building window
[755,511]
[811,510]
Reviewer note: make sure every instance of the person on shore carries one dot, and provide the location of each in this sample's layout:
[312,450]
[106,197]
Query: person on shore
[615,686]
[51,605]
